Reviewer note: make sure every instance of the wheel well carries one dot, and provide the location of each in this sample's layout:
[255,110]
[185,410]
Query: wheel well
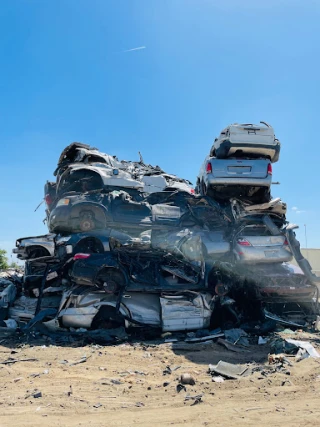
[37,251]
[89,245]
[98,213]
[107,318]
[111,279]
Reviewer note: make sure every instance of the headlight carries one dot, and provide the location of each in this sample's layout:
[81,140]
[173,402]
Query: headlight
[63,202]
[69,249]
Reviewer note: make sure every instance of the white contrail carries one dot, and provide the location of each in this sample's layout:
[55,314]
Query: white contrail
[135,48]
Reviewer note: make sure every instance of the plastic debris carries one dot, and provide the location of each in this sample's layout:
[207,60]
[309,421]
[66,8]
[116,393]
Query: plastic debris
[218,379]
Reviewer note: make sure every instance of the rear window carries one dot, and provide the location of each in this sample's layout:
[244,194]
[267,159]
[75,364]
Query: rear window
[255,230]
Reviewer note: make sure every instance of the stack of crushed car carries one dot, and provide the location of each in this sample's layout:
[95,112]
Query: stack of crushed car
[130,245]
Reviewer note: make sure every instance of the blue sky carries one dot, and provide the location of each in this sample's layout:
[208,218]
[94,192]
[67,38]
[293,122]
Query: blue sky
[65,76]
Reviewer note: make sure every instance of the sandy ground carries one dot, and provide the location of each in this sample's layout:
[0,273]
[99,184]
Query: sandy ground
[124,385]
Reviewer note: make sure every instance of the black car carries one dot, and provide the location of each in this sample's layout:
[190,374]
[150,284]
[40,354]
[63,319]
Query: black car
[120,210]
[130,212]
[128,267]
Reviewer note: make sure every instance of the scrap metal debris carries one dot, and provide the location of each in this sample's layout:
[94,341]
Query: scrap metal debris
[134,250]
[228,370]
[11,361]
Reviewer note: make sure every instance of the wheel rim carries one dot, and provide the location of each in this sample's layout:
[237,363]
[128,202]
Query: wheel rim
[86,225]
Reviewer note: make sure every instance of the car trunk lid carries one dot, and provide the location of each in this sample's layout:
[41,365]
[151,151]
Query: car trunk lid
[240,168]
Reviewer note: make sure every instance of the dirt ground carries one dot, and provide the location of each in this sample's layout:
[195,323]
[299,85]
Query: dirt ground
[124,385]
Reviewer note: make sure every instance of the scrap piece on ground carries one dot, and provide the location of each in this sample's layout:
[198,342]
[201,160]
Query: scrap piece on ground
[305,345]
[237,336]
[187,379]
[206,338]
[228,370]
[232,347]
[218,379]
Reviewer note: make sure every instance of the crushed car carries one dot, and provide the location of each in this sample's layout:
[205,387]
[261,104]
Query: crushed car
[132,246]
[34,247]
[247,139]
[83,308]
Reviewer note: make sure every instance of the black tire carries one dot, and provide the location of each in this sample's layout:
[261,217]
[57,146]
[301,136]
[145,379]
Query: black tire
[110,280]
[263,195]
[203,189]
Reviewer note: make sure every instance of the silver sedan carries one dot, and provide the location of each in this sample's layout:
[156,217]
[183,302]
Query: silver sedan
[254,244]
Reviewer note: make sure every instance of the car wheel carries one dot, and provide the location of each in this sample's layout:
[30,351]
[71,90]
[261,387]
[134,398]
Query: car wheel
[203,189]
[262,196]
[87,222]
[110,280]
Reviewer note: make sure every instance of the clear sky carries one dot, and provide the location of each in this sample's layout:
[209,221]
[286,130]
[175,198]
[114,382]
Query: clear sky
[69,71]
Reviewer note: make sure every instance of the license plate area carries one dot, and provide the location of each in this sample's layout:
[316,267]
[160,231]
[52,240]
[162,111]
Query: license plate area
[271,254]
[239,170]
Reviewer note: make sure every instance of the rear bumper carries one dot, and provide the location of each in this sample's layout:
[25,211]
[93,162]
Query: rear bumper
[212,181]
[247,255]
[280,294]
[228,148]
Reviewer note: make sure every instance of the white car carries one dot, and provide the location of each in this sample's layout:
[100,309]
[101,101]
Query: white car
[82,178]
[247,140]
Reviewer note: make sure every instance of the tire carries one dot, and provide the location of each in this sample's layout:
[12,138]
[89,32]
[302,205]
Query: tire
[110,280]
[262,196]
[203,189]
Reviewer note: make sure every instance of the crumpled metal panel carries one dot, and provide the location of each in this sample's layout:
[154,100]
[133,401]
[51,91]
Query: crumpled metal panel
[181,313]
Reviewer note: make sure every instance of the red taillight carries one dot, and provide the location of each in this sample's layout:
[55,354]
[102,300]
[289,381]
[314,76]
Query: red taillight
[269,169]
[81,256]
[209,167]
[48,199]
[286,243]
[243,242]
[192,191]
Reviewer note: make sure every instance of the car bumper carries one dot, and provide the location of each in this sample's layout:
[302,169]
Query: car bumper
[270,255]
[279,294]
[211,180]
[20,253]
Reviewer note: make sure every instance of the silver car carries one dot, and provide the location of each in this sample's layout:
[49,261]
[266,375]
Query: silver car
[34,247]
[255,244]
[235,177]
[83,308]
